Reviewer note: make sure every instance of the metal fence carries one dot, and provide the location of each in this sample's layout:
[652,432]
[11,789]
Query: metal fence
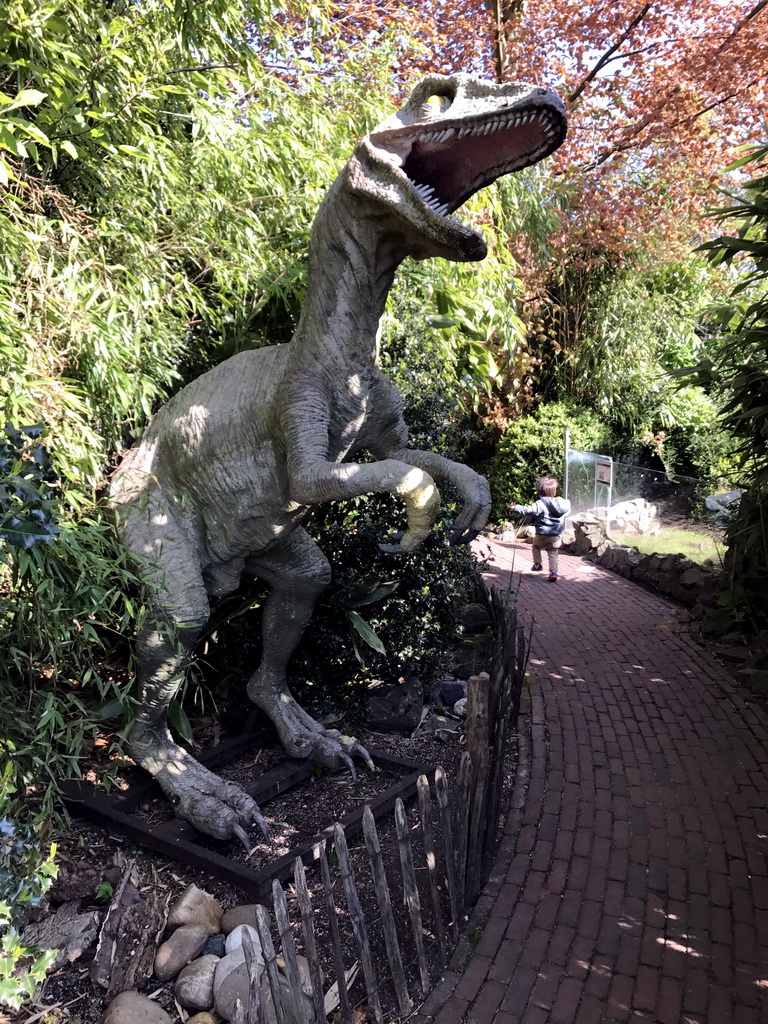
[594,481]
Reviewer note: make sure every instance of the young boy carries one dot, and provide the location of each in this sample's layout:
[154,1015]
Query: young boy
[549,515]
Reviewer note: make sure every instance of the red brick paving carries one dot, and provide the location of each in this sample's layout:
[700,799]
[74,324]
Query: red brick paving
[637,886]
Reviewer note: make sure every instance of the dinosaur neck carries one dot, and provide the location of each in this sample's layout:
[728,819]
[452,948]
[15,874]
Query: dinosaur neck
[352,264]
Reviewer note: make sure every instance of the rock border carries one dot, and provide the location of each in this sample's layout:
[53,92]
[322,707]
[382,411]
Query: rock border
[695,585]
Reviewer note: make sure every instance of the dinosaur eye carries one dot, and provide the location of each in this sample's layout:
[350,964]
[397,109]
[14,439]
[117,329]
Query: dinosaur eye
[437,104]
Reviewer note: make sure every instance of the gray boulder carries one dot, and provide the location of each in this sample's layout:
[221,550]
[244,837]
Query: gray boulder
[195,906]
[452,690]
[396,708]
[194,985]
[725,507]
[134,1008]
[245,914]
[183,946]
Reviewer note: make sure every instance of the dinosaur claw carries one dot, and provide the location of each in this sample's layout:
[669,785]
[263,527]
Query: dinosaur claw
[391,549]
[350,764]
[463,537]
[261,821]
[239,832]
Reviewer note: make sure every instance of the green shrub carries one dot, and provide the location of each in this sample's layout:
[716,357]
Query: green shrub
[415,622]
[696,445]
[63,608]
[26,872]
[533,445]
[739,372]
[425,372]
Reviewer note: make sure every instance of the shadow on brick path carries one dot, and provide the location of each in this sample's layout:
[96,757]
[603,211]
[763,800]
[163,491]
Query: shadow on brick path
[632,882]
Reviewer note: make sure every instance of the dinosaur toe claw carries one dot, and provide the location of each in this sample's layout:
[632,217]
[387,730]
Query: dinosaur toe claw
[239,833]
[350,764]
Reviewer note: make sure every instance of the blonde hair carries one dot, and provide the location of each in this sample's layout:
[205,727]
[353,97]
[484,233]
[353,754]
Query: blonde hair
[546,486]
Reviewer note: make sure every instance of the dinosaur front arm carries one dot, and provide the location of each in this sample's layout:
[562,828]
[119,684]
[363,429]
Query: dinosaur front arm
[474,489]
[315,479]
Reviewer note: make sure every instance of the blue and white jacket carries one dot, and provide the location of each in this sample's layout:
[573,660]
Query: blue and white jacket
[549,514]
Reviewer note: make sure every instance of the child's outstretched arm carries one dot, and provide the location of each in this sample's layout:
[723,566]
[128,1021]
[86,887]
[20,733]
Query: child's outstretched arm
[526,510]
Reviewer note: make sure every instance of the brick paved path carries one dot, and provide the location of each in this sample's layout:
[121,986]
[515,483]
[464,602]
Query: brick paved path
[633,882]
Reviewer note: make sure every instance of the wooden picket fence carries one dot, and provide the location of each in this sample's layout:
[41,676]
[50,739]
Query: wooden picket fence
[436,879]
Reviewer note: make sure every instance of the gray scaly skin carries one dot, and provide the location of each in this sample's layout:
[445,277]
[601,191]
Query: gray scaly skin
[226,470]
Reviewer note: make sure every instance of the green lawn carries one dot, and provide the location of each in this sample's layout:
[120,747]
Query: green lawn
[696,546]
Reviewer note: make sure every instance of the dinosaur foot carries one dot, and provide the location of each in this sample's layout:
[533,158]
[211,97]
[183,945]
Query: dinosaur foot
[303,737]
[214,806]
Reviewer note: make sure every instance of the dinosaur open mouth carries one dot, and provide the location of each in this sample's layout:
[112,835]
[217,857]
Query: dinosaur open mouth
[447,163]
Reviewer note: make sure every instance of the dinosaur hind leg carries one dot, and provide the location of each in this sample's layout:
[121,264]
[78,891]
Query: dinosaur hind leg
[171,570]
[297,572]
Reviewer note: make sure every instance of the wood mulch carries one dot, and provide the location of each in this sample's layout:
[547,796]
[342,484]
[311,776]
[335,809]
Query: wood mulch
[69,995]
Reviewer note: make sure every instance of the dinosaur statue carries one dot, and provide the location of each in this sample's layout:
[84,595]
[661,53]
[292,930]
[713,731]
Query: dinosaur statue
[227,469]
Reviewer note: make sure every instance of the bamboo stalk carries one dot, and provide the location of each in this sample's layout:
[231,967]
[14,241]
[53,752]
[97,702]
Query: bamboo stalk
[310,944]
[270,961]
[444,814]
[288,947]
[358,922]
[425,808]
[387,917]
[411,891]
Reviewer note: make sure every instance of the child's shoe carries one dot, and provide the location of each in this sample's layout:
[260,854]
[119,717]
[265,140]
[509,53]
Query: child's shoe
[553,577]
[537,567]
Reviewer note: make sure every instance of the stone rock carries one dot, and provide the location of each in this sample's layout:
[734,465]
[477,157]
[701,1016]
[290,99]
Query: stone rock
[134,1008]
[736,654]
[215,946]
[635,516]
[69,930]
[633,558]
[231,982]
[183,946]
[395,708]
[245,914]
[195,906]
[460,708]
[588,531]
[304,972]
[452,690]
[474,618]
[235,938]
[442,728]
[236,985]
[725,507]
[203,1018]
[694,577]
[194,985]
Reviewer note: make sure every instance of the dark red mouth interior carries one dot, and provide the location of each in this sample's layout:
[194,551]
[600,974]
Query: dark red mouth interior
[457,168]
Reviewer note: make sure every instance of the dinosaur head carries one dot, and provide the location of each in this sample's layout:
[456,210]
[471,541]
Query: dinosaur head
[454,136]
